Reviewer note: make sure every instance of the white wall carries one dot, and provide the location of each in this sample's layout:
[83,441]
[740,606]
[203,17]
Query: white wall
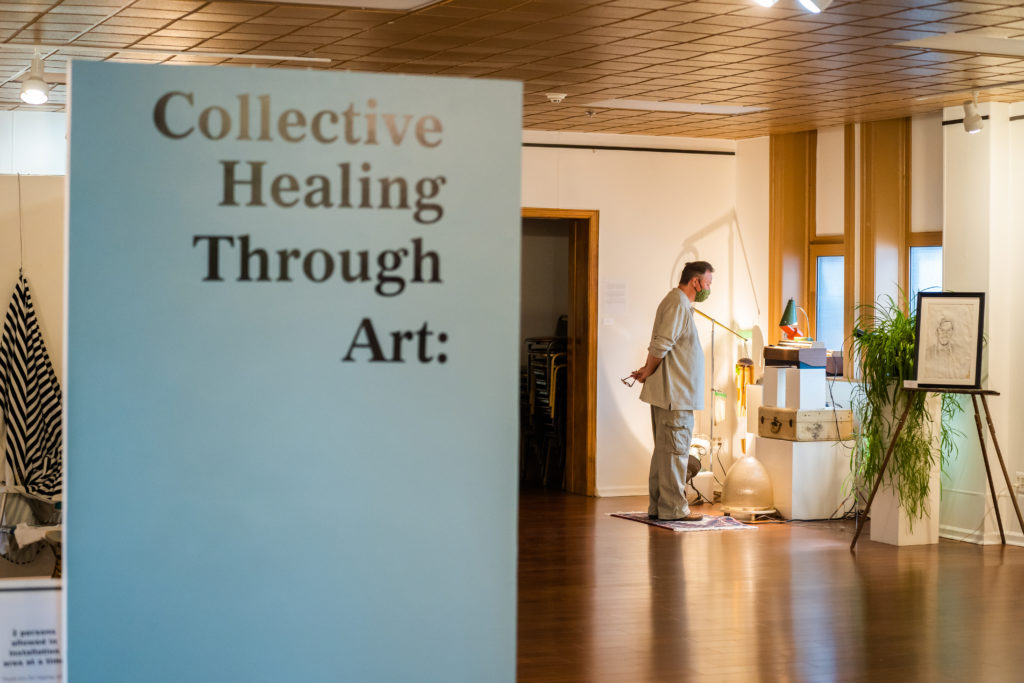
[545,278]
[40,209]
[965,268]
[1008,422]
[752,203]
[926,177]
[657,211]
[32,220]
[830,179]
[33,142]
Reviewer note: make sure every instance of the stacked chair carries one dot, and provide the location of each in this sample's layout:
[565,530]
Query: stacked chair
[543,412]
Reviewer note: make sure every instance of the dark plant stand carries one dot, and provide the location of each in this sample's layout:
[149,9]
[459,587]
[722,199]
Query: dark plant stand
[974,394]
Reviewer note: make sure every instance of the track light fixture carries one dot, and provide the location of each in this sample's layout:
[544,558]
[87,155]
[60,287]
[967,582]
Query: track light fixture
[34,89]
[972,119]
[816,6]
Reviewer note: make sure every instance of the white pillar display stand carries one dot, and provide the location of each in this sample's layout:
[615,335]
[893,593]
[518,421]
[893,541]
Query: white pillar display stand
[934,488]
[891,524]
[807,476]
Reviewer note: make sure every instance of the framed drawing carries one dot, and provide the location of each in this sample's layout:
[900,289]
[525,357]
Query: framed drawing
[947,350]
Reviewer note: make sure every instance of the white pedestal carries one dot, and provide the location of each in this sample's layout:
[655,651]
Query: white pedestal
[891,524]
[805,388]
[774,393]
[755,396]
[807,476]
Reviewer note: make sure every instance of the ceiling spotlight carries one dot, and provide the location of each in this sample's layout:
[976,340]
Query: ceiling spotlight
[766,3]
[34,89]
[972,119]
[815,6]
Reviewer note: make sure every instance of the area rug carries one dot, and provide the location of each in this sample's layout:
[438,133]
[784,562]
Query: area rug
[708,523]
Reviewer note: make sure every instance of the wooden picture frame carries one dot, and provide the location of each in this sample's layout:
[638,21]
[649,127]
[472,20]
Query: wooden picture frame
[947,347]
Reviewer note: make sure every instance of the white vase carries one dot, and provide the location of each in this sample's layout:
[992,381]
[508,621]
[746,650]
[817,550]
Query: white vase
[889,522]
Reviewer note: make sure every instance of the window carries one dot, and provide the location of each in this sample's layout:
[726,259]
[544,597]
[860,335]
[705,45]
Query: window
[925,272]
[828,294]
[829,301]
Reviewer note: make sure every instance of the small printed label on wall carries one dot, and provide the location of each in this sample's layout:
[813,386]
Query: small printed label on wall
[616,297]
[30,647]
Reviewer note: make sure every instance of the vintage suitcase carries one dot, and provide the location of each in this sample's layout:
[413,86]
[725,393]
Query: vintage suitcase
[804,425]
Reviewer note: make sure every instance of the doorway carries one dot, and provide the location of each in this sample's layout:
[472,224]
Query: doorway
[560,272]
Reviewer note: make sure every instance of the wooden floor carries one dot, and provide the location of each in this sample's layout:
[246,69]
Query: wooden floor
[606,599]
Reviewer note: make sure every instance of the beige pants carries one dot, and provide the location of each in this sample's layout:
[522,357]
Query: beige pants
[673,431]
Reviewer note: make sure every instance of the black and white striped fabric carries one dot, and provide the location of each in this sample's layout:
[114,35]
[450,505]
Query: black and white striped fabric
[30,400]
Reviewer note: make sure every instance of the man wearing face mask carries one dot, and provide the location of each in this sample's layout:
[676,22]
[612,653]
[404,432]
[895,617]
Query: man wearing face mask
[673,380]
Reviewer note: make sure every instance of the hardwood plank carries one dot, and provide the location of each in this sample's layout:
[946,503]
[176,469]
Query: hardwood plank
[605,599]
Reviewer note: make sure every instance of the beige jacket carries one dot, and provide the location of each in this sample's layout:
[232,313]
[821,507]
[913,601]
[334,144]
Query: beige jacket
[678,382]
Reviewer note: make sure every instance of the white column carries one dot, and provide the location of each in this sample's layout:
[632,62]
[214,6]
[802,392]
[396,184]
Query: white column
[979,231]
[1006,367]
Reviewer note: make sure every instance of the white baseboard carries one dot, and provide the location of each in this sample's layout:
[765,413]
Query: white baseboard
[615,491]
[962,492]
[618,491]
[955,533]
[1014,536]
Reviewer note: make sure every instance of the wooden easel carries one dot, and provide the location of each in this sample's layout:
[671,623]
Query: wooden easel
[974,393]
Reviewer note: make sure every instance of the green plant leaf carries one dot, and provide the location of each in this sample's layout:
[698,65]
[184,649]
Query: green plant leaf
[884,355]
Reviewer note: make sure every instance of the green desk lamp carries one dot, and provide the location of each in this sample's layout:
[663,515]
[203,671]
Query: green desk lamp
[788,324]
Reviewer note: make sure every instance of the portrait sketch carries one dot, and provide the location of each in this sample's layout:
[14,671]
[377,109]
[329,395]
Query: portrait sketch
[949,329]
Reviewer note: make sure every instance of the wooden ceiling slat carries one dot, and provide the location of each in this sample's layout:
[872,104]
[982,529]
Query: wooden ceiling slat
[834,67]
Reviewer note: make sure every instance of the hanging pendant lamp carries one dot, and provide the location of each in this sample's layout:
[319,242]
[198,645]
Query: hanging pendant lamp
[34,89]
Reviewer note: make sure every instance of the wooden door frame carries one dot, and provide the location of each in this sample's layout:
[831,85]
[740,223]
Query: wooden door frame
[581,421]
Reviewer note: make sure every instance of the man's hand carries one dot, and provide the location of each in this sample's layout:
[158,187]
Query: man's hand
[647,370]
[641,375]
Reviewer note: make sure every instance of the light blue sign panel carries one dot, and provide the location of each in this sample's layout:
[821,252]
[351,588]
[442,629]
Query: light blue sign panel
[293,376]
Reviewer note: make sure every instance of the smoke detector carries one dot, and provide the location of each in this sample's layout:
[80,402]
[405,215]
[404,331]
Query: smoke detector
[556,97]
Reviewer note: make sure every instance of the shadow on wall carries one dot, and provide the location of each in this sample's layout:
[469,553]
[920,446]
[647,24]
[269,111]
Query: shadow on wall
[633,442]
[625,439]
[688,252]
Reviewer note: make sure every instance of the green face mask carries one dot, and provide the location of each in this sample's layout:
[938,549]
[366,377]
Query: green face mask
[703,295]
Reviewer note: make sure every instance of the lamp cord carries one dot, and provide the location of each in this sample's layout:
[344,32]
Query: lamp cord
[21,233]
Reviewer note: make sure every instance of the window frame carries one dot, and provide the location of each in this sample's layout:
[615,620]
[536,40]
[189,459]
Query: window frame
[923,239]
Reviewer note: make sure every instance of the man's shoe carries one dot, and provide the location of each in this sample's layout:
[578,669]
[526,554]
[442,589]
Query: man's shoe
[692,517]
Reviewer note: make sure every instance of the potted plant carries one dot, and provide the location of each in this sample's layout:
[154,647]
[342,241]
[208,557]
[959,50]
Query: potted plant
[883,352]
